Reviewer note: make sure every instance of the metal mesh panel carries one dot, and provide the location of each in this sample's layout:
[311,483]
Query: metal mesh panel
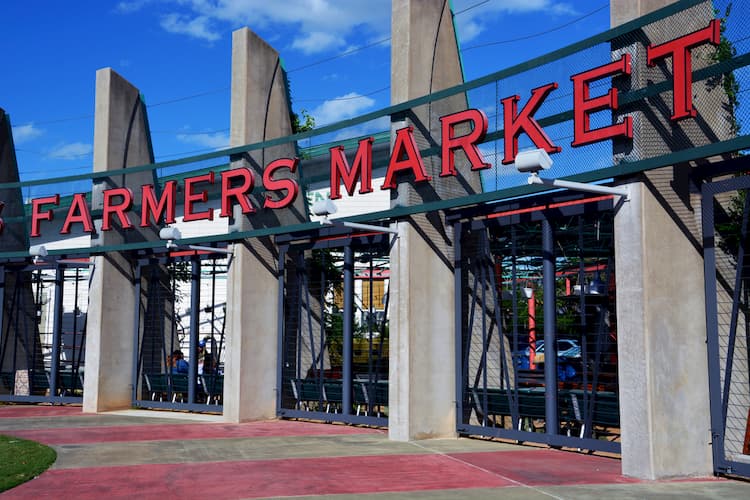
[173,358]
[42,344]
[332,343]
[503,355]
[732,271]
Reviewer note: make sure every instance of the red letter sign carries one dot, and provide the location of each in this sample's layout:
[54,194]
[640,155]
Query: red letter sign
[239,193]
[682,72]
[584,105]
[516,122]
[191,198]
[166,202]
[119,209]
[362,169]
[78,212]
[37,216]
[405,145]
[271,184]
[468,142]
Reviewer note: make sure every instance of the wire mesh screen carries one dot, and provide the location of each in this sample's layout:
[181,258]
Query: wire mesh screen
[335,338]
[503,332]
[730,228]
[181,342]
[43,340]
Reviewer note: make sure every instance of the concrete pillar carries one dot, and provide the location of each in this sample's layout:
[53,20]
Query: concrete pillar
[663,369]
[260,111]
[121,139]
[16,295]
[13,233]
[422,400]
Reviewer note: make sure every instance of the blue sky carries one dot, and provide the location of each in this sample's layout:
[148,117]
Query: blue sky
[178,53]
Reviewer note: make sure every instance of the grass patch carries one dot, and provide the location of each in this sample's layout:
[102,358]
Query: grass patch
[21,460]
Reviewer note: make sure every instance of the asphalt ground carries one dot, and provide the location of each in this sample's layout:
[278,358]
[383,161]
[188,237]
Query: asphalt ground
[165,455]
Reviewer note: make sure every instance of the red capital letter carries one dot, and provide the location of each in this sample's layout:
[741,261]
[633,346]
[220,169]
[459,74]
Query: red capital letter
[78,212]
[191,198]
[516,122]
[119,209]
[682,72]
[37,216]
[405,156]
[468,142]
[271,184]
[239,193]
[362,169]
[167,202]
[584,105]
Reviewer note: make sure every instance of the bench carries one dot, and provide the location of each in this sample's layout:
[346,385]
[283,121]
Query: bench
[495,402]
[213,387]
[157,385]
[69,383]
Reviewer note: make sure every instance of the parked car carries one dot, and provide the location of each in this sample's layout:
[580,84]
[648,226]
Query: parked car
[566,349]
[568,359]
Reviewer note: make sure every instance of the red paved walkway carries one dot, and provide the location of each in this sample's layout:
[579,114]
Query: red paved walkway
[171,432]
[337,459]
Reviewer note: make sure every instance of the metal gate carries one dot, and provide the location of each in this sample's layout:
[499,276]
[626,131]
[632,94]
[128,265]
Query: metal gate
[43,336]
[334,339]
[726,209]
[180,347]
[536,335]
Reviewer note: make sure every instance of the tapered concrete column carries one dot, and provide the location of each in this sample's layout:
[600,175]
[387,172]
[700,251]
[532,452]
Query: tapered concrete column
[663,368]
[121,139]
[18,309]
[13,235]
[260,111]
[422,400]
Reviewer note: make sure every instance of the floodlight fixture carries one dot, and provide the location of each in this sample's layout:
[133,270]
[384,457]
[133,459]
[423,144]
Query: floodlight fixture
[38,252]
[170,234]
[173,233]
[535,160]
[41,255]
[324,208]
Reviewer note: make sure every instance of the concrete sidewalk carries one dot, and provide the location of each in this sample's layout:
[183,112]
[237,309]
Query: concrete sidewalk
[178,455]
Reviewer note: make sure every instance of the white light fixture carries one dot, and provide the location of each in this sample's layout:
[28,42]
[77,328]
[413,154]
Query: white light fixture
[534,160]
[39,252]
[324,208]
[172,233]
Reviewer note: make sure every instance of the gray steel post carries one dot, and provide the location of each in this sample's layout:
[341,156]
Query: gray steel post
[346,401]
[458,322]
[195,305]
[550,337]
[136,328]
[280,330]
[56,331]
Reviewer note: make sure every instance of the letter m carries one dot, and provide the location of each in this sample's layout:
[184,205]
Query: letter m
[362,169]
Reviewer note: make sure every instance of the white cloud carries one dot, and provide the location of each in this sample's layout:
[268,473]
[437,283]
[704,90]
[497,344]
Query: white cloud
[127,7]
[216,140]
[471,23]
[25,133]
[378,125]
[317,41]
[72,151]
[309,18]
[341,108]
[198,27]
